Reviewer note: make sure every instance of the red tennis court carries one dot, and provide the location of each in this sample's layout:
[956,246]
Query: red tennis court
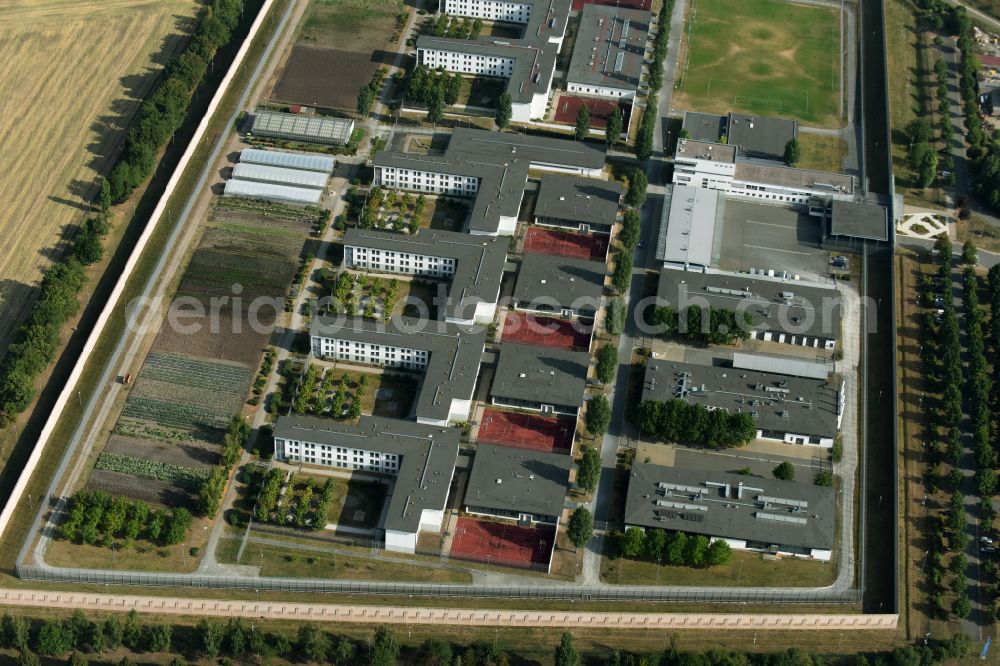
[538,240]
[634,4]
[567,106]
[529,329]
[502,543]
[527,431]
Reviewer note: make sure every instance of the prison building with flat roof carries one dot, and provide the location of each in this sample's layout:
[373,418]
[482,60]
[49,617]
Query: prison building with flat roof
[561,286]
[420,458]
[518,484]
[690,227]
[540,379]
[473,265]
[490,167]
[786,408]
[747,512]
[528,63]
[608,53]
[302,127]
[752,136]
[447,355]
[784,311]
[571,202]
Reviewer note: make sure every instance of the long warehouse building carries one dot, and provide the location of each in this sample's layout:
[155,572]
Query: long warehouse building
[260,173]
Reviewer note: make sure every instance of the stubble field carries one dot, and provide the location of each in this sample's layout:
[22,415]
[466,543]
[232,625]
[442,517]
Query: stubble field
[73,74]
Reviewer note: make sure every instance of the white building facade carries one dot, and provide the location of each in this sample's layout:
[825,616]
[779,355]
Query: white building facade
[369,353]
[474,64]
[600,91]
[489,10]
[310,453]
[392,261]
[417,180]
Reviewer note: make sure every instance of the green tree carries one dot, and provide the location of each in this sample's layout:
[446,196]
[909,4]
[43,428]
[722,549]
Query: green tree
[823,479]
[16,631]
[210,634]
[582,122]
[589,470]
[504,111]
[132,631]
[621,278]
[580,527]
[436,652]
[158,637]
[784,471]
[655,546]
[793,152]
[631,229]
[28,658]
[53,639]
[677,548]
[696,550]
[104,198]
[384,648]
[969,254]
[598,416]
[566,654]
[718,553]
[614,322]
[632,543]
[637,184]
[77,659]
[312,644]
[616,124]
[607,363]
[366,97]
[435,106]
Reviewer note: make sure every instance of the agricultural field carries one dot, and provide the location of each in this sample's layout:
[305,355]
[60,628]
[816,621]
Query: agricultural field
[63,124]
[341,44]
[762,56]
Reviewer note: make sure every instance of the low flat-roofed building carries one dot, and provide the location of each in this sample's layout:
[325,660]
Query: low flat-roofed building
[705,127]
[472,264]
[689,224]
[748,512]
[541,379]
[560,286]
[491,167]
[301,127]
[261,173]
[518,484]
[762,137]
[781,184]
[787,408]
[608,52]
[851,220]
[421,459]
[781,365]
[287,160]
[448,355]
[586,204]
[250,189]
[780,311]
[527,62]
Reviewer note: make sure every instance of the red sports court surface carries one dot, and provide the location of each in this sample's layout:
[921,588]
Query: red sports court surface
[528,329]
[634,4]
[567,106]
[503,544]
[527,431]
[539,240]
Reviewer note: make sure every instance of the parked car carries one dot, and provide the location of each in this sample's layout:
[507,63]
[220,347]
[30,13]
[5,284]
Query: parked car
[985,539]
[987,549]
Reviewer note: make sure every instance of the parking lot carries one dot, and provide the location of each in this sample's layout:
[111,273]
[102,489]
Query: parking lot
[772,238]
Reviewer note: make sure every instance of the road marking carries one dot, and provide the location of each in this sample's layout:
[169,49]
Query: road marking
[771,224]
[774,249]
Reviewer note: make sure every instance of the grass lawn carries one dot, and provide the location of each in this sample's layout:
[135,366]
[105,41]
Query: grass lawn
[390,396]
[483,92]
[133,556]
[763,56]
[823,153]
[446,214]
[303,563]
[351,25]
[744,570]
[357,503]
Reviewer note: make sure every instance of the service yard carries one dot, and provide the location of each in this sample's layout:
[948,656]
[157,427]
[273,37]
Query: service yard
[72,76]
[762,56]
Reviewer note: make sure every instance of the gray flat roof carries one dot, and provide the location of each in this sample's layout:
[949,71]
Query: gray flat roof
[501,161]
[778,403]
[813,311]
[455,353]
[805,179]
[534,54]
[479,261]
[688,225]
[707,127]
[715,510]
[318,129]
[858,220]
[519,480]
[541,374]
[428,455]
[610,47]
[706,150]
[584,200]
[566,281]
[761,136]
[781,365]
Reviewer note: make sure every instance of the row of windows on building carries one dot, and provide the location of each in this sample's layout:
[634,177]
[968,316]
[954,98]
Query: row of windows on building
[374,354]
[469,63]
[406,179]
[341,457]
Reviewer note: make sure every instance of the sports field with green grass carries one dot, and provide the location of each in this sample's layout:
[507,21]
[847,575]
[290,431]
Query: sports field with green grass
[762,56]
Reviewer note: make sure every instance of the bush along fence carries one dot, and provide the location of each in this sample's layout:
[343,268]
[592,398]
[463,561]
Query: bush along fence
[37,340]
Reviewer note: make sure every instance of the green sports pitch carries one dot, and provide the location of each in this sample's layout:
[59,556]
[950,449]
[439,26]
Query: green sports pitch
[770,57]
